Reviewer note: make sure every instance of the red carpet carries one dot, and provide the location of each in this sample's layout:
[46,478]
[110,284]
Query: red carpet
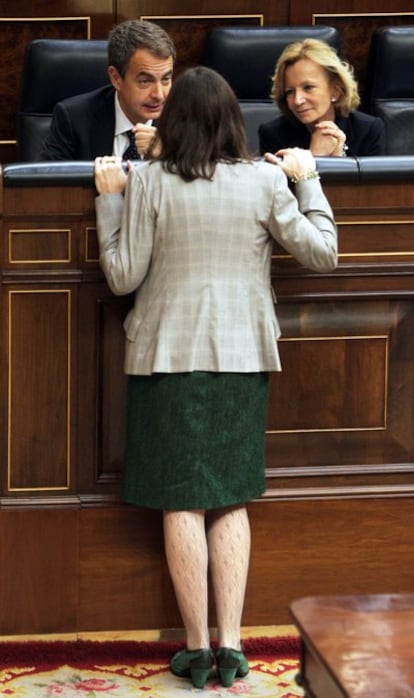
[51,653]
[88,669]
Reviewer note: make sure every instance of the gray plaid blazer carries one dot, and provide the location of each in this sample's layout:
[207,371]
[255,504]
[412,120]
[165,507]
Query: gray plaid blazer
[197,254]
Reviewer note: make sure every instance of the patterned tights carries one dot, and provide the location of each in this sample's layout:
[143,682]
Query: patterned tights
[217,541]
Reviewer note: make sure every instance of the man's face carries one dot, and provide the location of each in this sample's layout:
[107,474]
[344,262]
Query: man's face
[145,86]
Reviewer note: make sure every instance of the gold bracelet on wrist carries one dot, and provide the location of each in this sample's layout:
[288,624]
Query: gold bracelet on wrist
[309,174]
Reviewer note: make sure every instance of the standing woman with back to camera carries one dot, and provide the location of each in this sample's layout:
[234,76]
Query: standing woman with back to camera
[193,238]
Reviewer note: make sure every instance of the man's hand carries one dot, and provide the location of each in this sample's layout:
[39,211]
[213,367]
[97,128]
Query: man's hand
[144,138]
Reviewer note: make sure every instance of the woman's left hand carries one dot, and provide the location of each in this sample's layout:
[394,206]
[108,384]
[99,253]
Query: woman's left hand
[327,139]
[110,178]
[295,162]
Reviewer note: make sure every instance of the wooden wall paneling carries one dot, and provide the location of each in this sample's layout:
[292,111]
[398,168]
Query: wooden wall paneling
[273,12]
[3,358]
[349,334]
[123,576]
[355,21]
[101,388]
[349,546]
[189,27]
[336,515]
[113,559]
[101,12]
[39,339]
[355,411]
[41,367]
[54,203]
[20,23]
[39,570]
[51,8]
[301,12]
[298,548]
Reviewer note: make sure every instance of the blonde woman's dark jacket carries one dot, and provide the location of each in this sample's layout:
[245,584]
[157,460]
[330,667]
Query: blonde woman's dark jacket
[365,134]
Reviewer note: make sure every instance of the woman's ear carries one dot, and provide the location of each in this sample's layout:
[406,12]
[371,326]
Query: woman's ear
[335,92]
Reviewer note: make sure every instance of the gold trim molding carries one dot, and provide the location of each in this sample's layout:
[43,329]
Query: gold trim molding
[17,231]
[325,15]
[67,486]
[374,254]
[351,492]
[84,18]
[319,430]
[90,230]
[151,18]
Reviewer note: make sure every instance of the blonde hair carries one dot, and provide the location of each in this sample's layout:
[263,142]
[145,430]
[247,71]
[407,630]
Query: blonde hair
[338,71]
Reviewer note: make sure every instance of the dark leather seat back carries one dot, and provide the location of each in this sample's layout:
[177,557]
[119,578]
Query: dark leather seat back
[398,117]
[389,89]
[254,114]
[54,69]
[246,56]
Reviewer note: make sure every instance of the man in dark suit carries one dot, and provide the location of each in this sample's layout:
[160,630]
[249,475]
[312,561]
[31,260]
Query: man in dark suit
[117,119]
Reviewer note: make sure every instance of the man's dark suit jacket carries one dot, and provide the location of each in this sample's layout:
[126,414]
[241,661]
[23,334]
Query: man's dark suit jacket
[365,134]
[82,127]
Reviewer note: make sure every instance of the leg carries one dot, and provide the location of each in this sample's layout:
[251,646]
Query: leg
[187,558]
[186,551]
[229,555]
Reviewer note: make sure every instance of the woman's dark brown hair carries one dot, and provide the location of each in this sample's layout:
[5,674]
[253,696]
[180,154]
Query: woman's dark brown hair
[201,124]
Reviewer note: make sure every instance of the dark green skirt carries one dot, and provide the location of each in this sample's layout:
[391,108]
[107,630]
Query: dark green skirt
[195,440]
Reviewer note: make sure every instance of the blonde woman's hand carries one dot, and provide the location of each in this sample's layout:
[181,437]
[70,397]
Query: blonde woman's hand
[295,162]
[328,140]
[110,178]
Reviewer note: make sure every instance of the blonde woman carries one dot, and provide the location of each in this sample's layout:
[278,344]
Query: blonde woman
[317,95]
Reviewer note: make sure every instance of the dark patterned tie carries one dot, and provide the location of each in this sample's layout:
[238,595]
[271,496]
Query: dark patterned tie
[131,152]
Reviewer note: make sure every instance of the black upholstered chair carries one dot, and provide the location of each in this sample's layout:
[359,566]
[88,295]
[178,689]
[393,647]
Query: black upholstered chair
[246,57]
[54,69]
[254,114]
[389,89]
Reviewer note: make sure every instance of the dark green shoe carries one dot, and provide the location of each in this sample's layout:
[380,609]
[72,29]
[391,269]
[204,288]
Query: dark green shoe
[194,664]
[230,663]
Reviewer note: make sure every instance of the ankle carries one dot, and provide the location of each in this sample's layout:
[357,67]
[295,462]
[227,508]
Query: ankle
[230,640]
[195,641]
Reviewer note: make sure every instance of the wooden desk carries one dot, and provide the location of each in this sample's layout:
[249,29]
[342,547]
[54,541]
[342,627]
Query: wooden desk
[339,446]
[356,645]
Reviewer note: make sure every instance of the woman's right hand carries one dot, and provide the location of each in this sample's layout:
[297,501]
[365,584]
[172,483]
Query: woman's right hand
[327,140]
[295,162]
[110,178]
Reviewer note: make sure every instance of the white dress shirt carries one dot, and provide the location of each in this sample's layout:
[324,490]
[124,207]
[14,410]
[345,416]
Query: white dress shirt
[122,125]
